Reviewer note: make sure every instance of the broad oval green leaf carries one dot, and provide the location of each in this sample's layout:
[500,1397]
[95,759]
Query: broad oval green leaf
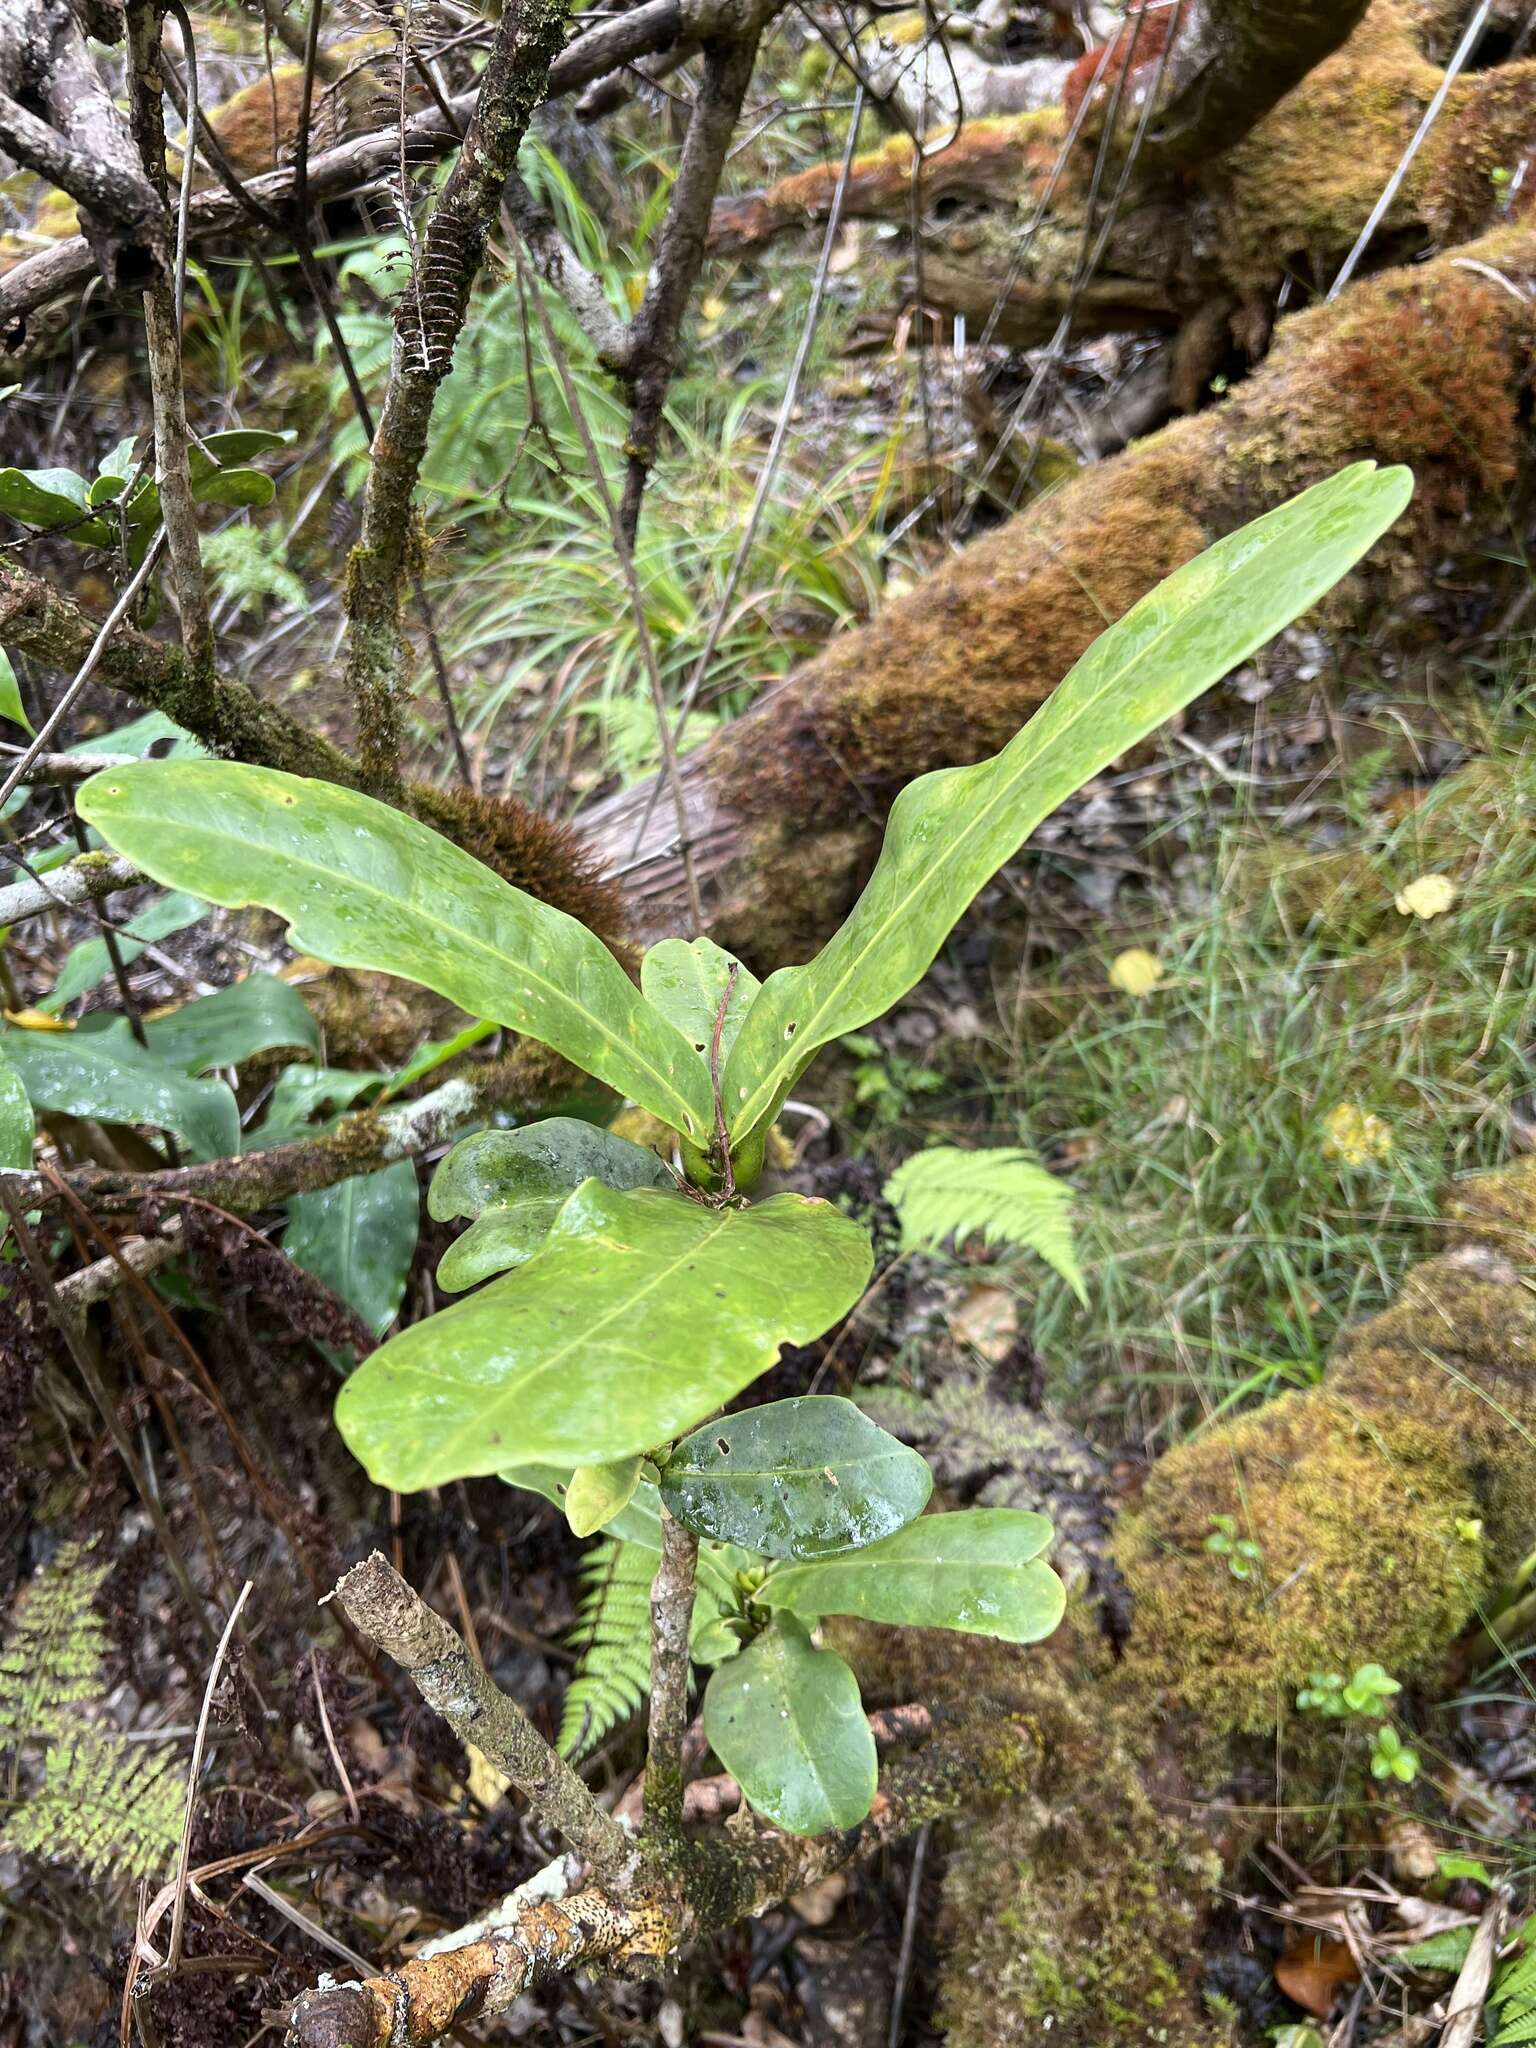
[53,500]
[950,831]
[979,1570]
[233,1025]
[787,1722]
[642,1313]
[595,1494]
[77,1074]
[686,980]
[514,1182]
[359,1238]
[365,886]
[801,1478]
[17,1125]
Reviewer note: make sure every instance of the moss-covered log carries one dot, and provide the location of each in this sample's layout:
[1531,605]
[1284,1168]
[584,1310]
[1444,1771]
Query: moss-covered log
[1389,1504]
[1428,365]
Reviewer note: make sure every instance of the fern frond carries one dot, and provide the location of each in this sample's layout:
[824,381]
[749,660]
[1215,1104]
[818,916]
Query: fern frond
[1003,1195]
[53,1658]
[613,1671]
[110,1809]
[1513,1996]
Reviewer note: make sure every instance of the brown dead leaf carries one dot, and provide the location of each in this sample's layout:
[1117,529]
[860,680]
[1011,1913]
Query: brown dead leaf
[986,1318]
[1312,1969]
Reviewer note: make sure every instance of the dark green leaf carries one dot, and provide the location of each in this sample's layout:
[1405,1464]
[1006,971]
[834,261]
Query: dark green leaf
[236,487]
[979,1570]
[89,963]
[11,706]
[950,831]
[787,1722]
[800,1478]
[514,1182]
[642,1313]
[52,500]
[307,1099]
[365,886]
[17,1127]
[76,1074]
[234,1024]
[359,1238]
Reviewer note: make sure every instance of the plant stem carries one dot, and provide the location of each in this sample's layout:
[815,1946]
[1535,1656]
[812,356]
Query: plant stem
[382,1606]
[672,1594]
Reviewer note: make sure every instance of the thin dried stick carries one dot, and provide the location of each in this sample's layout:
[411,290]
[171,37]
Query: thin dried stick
[194,1770]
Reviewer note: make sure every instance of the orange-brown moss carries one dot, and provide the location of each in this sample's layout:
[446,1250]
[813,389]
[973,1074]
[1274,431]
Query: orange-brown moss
[1475,151]
[1132,51]
[258,125]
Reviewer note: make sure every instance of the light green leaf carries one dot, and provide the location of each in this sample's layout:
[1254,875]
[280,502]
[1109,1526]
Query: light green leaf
[686,979]
[231,1025]
[514,1182]
[140,734]
[979,1571]
[596,1493]
[17,1126]
[638,1523]
[236,487]
[787,1722]
[950,831]
[801,1478]
[359,1237]
[89,964]
[307,1099]
[365,886]
[1444,1951]
[642,1313]
[999,1194]
[76,1074]
[11,706]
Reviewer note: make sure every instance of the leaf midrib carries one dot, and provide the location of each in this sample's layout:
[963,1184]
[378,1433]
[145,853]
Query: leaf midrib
[768,1087]
[479,945]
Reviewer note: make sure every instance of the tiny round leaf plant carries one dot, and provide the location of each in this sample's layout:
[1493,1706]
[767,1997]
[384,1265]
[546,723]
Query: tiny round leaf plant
[796,1479]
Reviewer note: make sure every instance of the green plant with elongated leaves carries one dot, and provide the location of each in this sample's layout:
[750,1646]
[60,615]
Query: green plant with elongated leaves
[625,1305]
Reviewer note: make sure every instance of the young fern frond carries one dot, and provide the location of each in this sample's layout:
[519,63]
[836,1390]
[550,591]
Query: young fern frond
[110,1809]
[1002,1195]
[613,1673]
[1513,1997]
[52,1661]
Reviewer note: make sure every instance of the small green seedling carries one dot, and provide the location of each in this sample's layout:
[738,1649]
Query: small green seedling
[1366,1694]
[1391,1757]
[627,1304]
[1242,1554]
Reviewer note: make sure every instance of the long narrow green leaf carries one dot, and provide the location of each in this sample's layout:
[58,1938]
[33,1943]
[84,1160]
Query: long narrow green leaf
[950,831]
[365,886]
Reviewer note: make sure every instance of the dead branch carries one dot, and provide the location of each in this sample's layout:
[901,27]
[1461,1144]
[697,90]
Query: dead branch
[390,1613]
[92,878]
[428,322]
[672,1596]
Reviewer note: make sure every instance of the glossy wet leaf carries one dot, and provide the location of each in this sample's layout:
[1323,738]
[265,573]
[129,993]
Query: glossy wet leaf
[88,964]
[787,1722]
[75,1074]
[362,885]
[359,1238]
[595,1494]
[11,706]
[235,1023]
[801,1478]
[53,501]
[17,1126]
[514,1182]
[979,1570]
[307,1099]
[686,980]
[642,1312]
[950,831]
[638,1523]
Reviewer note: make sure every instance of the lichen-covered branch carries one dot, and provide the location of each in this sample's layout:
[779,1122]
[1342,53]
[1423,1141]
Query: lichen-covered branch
[91,878]
[672,1596]
[428,321]
[390,1613]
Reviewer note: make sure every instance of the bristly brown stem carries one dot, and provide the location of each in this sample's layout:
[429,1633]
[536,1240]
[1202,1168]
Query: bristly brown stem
[672,1594]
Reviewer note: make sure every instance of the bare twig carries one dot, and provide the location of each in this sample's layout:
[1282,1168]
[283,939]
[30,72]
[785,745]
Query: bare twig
[1465,2005]
[656,341]
[383,1607]
[194,1771]
[90,879]
[672,1596]
[428,323]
